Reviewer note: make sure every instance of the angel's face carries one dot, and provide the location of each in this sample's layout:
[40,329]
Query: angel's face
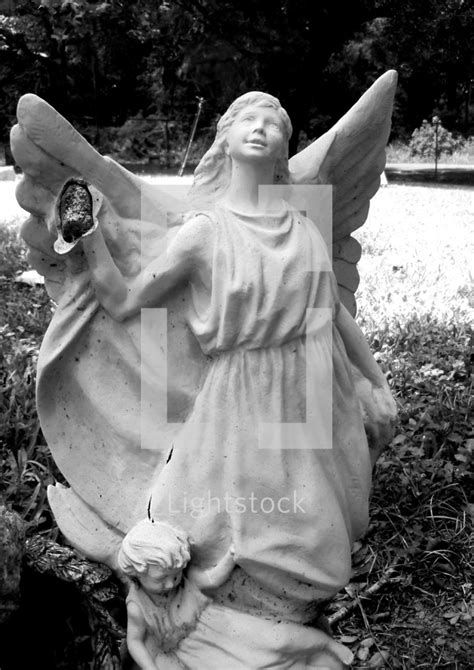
[159,580]
[257,134]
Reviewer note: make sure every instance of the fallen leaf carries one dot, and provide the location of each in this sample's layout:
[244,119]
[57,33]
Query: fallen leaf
[379,659]
[368,642]
[363,653]
[348,639]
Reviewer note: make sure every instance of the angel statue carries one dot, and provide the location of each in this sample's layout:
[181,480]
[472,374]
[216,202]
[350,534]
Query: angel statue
[203,373]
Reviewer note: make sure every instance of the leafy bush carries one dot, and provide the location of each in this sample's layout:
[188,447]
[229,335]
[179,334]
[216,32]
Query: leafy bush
[432,138]
[26,467]
[399,152]
[416,309]
[150,139]
[12,257]
[140,138]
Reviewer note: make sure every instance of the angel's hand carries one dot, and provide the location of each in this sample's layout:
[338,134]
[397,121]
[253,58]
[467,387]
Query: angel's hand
[60,152]
[227,562]
[379,413]
[49,149]
[215,576]
[51,152]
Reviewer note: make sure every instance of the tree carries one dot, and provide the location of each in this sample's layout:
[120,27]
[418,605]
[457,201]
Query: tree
[281,47]
[84,57]
[430,44]
[101,62]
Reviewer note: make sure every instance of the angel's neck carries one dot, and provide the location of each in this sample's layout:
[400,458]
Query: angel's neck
[243,192]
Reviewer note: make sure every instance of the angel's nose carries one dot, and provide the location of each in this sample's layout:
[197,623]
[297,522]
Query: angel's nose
[258,126]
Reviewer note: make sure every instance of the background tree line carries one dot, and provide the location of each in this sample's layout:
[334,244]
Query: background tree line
[127,73]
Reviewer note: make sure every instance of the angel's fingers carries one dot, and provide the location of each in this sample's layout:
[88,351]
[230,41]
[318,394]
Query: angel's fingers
[379,434]
[55,135]
[40,254]
[37,236]
[34,198]
[335,657]
[60,140]
[372,438]
[388,431]
[121,188]
[43,169]
[134,198]
[341,652]
[46,266]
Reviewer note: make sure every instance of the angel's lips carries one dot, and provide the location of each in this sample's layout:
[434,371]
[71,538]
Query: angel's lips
[257,143]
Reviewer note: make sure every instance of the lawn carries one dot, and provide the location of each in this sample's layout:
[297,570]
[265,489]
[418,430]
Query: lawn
[399,152]
[416,305]
[409,604]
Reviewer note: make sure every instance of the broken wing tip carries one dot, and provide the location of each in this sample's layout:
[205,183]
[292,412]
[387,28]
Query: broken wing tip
[391,75]
[28,105]
[27,100]
[388,81]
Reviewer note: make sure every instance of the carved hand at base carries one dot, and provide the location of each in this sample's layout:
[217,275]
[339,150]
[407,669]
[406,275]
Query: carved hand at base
[379,412]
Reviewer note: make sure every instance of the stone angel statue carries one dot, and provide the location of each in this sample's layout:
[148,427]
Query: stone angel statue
[203,366]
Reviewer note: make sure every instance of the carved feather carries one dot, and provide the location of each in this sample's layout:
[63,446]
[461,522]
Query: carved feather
[350,157]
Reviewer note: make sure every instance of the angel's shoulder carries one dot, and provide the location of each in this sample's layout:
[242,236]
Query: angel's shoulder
[133,603]
[200,220]
[197,233]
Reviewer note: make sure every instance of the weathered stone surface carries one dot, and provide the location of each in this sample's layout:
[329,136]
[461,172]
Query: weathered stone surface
[12,538]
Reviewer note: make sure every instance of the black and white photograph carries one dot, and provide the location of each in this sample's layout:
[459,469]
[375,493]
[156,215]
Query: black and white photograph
[236,346]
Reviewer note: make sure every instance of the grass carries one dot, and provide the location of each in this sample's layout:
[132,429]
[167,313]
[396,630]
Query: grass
[399,152]
[417,253]
[415,306]
[26,467]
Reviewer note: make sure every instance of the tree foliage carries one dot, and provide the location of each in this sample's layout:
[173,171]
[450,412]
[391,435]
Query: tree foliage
[84,57]
[102,62]
[433,140]
[431,45]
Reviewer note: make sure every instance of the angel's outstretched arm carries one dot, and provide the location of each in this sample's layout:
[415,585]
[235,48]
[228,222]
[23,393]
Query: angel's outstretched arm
[183,256]
[215,576]
[377,404]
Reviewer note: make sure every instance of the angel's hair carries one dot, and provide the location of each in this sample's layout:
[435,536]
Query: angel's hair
[212,175]
[150,543]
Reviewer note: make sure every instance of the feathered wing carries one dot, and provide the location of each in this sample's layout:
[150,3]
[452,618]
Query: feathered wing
[351,158]
[91,383]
